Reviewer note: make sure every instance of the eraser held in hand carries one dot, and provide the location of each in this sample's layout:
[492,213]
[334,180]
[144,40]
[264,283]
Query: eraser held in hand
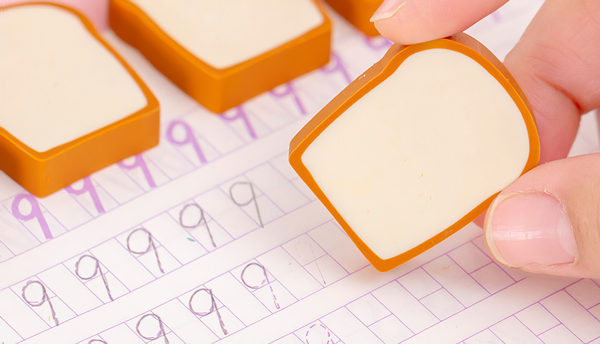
[417,147]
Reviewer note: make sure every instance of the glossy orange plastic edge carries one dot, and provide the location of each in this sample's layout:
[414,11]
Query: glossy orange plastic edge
[461,43]
[47,172]
[220,89]
[358,13]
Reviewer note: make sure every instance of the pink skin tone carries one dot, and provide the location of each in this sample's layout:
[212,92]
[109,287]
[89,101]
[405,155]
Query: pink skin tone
[548,221]
[95,10]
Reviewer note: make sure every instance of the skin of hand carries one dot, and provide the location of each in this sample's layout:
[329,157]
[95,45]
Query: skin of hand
[548,221]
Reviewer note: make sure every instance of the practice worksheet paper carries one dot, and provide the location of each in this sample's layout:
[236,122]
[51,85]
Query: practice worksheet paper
[212,237]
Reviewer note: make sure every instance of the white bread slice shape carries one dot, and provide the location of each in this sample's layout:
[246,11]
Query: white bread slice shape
[223,52]
[69,105]
[417,147]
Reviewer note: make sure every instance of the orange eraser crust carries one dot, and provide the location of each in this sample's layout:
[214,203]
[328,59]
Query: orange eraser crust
[358,13]
[45,173]
[220,89]
[461,43]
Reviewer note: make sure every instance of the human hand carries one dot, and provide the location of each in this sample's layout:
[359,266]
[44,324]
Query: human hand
[548,221]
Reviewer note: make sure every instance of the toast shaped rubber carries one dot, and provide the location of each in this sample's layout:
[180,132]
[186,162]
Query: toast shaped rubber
[69,105]
[224,52]
[417,147]
[358,13]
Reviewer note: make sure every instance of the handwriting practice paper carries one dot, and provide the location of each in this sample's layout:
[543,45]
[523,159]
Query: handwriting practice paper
[212,237]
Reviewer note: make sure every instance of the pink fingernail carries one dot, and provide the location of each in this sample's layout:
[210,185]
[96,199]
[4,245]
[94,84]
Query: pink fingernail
[387,9]
[530,229]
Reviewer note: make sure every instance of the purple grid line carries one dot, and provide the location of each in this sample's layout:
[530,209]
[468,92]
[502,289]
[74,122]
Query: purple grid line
[464,340]
[81,205]
[8,248]
[84,284]
[25,227]
[12,328]
[326,253]
[137,257]
[490,328]
[197,317]
[36,313]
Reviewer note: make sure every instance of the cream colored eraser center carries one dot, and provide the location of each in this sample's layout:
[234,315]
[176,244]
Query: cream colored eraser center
[223,33]
[57,81]
[420,151]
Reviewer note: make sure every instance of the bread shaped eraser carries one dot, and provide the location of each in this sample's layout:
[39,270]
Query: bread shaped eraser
[417,147]
[358,13]
[69,105]
[224,52]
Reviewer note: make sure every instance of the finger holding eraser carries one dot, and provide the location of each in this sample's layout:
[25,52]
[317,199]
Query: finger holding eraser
[417,147]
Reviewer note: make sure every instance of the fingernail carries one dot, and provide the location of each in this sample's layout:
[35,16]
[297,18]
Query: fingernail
[529,229]
[387,9]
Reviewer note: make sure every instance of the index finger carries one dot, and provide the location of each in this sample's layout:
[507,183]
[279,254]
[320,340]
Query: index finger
[415,21]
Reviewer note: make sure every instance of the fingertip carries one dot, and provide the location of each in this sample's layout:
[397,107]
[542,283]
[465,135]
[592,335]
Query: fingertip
[410,21]
[387,10]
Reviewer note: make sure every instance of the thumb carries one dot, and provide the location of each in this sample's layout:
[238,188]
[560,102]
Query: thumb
[414,21]
[548,221]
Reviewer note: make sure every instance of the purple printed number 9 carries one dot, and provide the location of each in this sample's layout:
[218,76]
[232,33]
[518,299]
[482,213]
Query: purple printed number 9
[139,162]
[35,212]
[240,114]
[336,65]
[89,188]
[288,89]
[189,138]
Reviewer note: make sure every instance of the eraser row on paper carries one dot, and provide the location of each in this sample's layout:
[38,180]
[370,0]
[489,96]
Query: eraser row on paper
[71,106]
[439,128]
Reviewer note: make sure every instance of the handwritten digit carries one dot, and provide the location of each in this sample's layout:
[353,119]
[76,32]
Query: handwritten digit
[266,280]
[213,307]
[252,199]
[240,114]
[89,188]
[40,302]
[161,332]
[200,220]
[97,269]
[150,246]
[189,138]
[35,212]
[139,162]
[289,90]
